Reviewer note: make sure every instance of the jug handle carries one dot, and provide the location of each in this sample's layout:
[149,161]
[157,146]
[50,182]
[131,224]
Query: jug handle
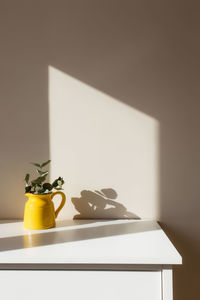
[61,204]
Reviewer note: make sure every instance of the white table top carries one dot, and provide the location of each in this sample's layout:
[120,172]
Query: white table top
[130,242]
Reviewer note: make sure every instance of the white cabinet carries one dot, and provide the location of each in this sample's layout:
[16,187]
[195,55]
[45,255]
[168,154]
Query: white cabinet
[90,259]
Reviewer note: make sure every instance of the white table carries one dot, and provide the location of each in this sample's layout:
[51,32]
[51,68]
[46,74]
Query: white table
[87,259]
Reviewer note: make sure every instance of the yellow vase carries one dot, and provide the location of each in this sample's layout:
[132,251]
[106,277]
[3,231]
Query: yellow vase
[39,210]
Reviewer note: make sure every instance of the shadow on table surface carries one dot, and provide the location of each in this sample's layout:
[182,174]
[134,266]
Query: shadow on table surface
[67,234]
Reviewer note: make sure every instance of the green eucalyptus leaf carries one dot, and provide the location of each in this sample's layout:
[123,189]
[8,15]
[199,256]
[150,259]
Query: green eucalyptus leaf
[36,164]
[58,188]
[37,188]
[47,186]
[27,178]
[45,173]
[34,182]
[27,189]
[55,183]
[43,178]
[61,179]
[59,182]
[38,180]
[45,163]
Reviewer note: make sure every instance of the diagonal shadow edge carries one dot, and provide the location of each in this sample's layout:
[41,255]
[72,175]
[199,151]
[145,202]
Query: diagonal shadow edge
[74,235]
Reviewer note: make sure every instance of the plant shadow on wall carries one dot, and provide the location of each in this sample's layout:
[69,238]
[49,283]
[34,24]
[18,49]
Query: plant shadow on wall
[100,205]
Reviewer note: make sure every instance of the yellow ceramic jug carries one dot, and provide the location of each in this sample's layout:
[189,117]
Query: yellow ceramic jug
[39,210]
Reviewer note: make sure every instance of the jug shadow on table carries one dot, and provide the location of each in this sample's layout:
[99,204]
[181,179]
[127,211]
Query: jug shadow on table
[100,205]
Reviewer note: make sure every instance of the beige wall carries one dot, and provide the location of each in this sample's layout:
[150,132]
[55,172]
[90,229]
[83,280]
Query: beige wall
[98,142]
[143,53]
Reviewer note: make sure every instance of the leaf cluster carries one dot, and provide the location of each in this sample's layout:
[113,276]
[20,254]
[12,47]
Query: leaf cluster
[38,185]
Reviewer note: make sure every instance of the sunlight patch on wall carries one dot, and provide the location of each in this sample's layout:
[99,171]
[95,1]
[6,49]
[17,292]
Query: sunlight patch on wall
[97,142]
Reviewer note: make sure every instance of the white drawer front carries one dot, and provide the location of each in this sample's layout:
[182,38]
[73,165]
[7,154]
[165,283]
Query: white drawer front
[76,285]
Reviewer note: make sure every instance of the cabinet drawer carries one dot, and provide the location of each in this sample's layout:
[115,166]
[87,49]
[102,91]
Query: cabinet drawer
[76,285]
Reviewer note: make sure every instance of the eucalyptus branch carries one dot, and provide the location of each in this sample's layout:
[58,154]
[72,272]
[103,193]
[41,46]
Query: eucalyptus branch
[38,185]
